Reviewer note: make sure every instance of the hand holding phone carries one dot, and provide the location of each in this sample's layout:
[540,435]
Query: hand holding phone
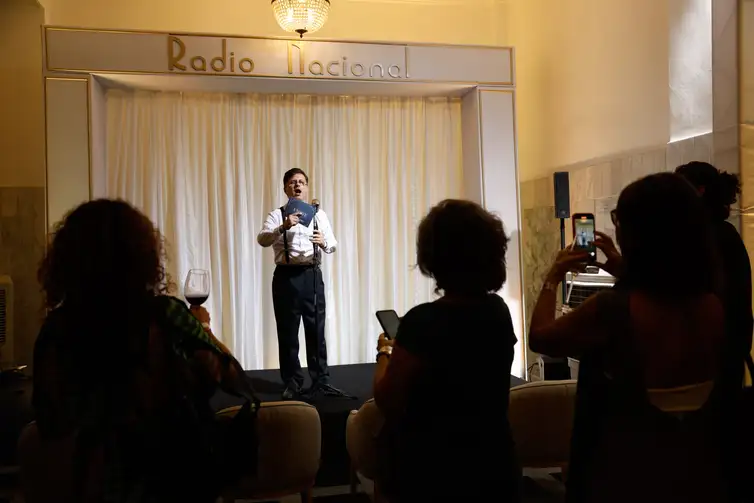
[584,233]
[389,321]
[383,342]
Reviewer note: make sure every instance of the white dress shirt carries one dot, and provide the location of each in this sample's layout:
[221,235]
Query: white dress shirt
[300,246]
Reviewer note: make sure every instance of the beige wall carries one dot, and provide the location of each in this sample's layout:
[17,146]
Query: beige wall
[747,117]
[22,167]
[592,74]
[21,97]
[438,21]
[592,79]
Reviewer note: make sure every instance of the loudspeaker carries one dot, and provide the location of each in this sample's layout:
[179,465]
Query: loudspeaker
[562,195]
[555,369]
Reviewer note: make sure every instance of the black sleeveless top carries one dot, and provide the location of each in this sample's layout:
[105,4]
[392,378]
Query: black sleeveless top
[454,439]
[624,448]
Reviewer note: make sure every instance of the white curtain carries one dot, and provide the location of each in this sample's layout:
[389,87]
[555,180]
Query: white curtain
[208,168]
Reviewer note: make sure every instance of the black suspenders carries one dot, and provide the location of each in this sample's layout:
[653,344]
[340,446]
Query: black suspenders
[285,237]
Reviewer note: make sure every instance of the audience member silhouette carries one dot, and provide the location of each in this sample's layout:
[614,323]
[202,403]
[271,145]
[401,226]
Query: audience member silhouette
[442,438]
[646,426]
[127,372]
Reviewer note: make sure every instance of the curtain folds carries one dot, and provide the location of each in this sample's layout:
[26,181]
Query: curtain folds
[207,168]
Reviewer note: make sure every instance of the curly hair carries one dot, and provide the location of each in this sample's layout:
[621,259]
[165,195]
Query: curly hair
[462,246]
[103,251]
[719,189]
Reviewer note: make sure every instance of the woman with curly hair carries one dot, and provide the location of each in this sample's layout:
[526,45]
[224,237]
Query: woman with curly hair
[445,438]
[125,371]
[719,191]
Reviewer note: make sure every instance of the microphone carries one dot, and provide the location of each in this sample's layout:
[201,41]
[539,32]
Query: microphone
[315,205]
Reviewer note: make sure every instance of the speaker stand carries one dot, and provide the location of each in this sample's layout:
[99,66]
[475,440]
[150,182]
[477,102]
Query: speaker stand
[564,287]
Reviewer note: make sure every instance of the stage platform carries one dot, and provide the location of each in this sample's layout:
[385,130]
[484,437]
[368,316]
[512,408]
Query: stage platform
[354,379]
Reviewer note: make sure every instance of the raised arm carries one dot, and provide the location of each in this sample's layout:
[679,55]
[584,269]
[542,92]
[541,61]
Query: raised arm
[571,334]
[271,229]
[324,226]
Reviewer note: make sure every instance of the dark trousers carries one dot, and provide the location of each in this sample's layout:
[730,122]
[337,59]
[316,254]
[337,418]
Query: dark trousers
[293,294]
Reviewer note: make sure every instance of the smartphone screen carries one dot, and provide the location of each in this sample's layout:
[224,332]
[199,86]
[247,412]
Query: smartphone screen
[583,233]
[389,321]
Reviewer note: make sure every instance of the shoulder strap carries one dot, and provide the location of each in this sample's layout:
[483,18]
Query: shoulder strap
[285,238]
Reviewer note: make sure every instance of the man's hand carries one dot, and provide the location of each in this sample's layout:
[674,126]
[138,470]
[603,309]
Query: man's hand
[318,238]
[291,220]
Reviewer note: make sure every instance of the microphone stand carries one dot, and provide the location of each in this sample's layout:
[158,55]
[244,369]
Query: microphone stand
[321,389]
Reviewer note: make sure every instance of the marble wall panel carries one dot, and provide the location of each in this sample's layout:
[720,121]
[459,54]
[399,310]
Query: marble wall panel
[22,237]
[593,185]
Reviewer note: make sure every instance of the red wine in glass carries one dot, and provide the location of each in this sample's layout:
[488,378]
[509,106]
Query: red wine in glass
[196,288]
[196,300]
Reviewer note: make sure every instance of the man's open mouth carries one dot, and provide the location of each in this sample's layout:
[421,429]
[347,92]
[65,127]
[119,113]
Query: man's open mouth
[297,192]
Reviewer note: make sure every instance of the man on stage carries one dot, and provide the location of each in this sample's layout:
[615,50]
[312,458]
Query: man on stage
[297,285]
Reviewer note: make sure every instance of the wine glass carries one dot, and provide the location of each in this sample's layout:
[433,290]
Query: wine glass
[196,288]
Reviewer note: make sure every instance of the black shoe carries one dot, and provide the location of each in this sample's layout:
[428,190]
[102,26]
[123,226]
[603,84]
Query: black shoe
[291,392]
[324,389]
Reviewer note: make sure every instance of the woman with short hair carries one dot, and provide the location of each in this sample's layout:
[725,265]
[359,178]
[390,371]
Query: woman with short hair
[443,383]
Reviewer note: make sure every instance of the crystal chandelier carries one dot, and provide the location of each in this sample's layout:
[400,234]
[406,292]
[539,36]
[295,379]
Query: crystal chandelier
[301,16]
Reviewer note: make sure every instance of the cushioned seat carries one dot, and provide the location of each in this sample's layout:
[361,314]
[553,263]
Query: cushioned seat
[540,414]
[290,445]
[362,429]
[290,439]
[541,418]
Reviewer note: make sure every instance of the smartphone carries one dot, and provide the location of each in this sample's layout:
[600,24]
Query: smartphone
[389,321]
[583,233]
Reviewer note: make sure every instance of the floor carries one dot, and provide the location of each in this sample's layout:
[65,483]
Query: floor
[540,486]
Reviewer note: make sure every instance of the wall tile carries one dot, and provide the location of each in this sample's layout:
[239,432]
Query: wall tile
[603,184]
[22,237]
[526,195]
[616,182]
[746,56]
[540,243]
[725,63]
[674,156]
[726,94]
[593,184]
[728,160]
[544,192]
[702,148]
[725,138]
[747,136]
